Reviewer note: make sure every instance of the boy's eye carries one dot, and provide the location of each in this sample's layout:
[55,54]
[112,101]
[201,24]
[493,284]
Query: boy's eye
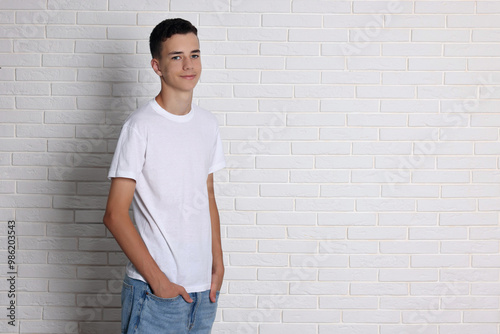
[195,56]
[176,57]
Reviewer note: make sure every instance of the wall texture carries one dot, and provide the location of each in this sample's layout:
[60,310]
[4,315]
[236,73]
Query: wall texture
[363,184]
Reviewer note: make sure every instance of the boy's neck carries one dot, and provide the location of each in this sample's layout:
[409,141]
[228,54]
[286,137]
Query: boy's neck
[177,104]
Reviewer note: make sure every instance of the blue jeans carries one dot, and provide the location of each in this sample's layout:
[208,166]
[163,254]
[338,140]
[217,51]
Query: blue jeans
[145,313]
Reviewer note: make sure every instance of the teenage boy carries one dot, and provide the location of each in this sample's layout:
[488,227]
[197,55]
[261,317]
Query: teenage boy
[163,164]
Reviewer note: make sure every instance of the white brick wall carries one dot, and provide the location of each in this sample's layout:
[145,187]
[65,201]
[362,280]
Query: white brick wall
[362,188]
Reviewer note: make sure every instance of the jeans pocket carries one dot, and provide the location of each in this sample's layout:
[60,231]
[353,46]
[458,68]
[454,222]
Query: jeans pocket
[163,300]
[127,302]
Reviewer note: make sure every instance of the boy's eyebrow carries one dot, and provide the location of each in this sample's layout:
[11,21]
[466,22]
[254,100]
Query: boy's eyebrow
[180,52]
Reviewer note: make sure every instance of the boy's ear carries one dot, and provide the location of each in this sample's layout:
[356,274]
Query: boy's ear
[156,66]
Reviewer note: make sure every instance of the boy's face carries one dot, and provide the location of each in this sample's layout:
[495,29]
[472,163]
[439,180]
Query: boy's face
[180,63]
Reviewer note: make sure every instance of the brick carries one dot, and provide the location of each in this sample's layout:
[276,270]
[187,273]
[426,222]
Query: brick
[287,329]
[436,233]
[262,62]
[371,176]
[76,5]
[20,60]
[379,261]
[24,201]
[382,7]
[372,63]
[287,302]
[348,302]
[286,246]
[246,316]
[291,20]
[410,106]
[409,247]
[314,119]
[45,74]
[448,7]
[487,289]
[372,233]
[346,247]
[7,17]
[484,233]
[43,46]
[288,49]
[145,5]
[473,21]
[320,6]
[43,187]
[317,35]
[412,78]
[267,204]
[337,162]
[439,261]
[415,21]
[109,17]
[288,190]
[437,64]
[488,35]
[310,91]
[350,49]
[466,163]
[273,288]
[298,77]
[22,89]
[378,317]
[256,232]
[440,177]
[76,230]
[379,289]
[292,162]
[46,299]
[316,316]
[399,191]
[229,19]
[44,215]
[437,316]
[470,303]
[324,204]
[449,219]
[287,274]
[465,328]
[259,34]
[319,261]
[468,247]
[382,120]
[98,244]
[22,31]
[285,218]
[350,77]
[396,329]
[77,258]
[278,6]
[254,91]
[46,271]
[6,75]
[353,21]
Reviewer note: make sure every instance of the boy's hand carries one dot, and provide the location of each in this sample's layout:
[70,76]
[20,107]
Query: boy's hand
[171,290]
[217,277]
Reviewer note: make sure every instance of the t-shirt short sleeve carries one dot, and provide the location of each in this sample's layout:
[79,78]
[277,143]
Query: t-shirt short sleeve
[129,156]
[218,160]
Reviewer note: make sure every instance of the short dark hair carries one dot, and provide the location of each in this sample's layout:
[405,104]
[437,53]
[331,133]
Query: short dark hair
[167,29]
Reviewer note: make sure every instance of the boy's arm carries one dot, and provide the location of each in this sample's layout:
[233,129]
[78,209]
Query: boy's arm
[118,221]
[217,261]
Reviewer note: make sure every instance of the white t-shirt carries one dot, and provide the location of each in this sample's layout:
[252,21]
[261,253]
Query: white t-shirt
[170,157]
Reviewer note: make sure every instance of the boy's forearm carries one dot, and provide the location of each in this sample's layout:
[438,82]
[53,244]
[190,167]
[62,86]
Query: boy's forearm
[134,248]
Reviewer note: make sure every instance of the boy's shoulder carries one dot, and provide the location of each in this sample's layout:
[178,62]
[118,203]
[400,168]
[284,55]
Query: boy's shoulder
[140,117]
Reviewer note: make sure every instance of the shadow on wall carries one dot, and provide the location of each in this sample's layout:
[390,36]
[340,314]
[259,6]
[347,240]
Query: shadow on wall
[86,264]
